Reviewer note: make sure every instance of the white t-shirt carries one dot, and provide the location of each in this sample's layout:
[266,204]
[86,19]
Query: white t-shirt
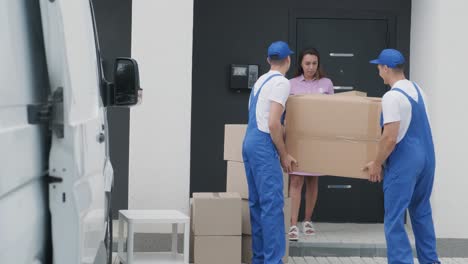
[277,90]
[396,107]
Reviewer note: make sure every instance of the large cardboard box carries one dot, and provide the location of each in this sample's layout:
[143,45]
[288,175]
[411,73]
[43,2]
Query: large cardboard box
[217,214]
[333,135]
[233,139]
[218,249]
[246,227]
[247,249]
[237,180]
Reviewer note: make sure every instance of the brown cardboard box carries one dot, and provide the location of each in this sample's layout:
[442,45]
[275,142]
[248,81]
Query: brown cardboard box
[237,180]
[352,93]
[247,249]
[218,249]
[233,138]
[217,214]
[333,135]
[246,229]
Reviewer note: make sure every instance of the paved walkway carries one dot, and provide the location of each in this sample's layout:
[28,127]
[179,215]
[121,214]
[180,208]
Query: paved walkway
[349,233]
[357,260]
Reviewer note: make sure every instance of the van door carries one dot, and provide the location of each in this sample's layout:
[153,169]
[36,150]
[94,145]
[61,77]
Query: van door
[78,155]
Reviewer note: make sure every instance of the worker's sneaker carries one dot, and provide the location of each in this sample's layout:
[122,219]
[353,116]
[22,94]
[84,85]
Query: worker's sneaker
[308,228]
[293,233]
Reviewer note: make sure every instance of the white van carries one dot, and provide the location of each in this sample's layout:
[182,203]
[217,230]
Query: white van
[55,172]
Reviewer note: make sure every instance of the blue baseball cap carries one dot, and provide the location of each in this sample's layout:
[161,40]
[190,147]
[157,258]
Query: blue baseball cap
[390,57]
[279,50]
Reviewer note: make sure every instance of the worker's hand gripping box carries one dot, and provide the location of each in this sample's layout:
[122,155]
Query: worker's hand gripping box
[333,135]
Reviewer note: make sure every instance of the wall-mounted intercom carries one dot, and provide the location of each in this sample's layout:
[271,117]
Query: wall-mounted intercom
[243,76]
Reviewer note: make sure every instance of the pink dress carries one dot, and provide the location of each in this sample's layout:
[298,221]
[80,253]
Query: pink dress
[299,85]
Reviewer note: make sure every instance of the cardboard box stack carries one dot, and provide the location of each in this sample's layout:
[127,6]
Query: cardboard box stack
[217,228]
[333,135]
[237,182]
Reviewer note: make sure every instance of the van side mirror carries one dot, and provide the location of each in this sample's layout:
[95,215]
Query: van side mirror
[126,86]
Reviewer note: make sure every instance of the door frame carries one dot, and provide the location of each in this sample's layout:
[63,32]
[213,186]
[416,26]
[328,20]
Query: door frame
[395,26]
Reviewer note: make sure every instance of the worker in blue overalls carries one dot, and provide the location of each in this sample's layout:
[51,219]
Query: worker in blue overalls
[264,153]
[407,147]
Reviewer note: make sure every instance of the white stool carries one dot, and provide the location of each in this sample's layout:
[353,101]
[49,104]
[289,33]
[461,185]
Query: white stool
[153,217]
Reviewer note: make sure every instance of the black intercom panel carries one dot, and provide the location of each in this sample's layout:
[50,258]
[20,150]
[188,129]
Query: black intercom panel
[243,76]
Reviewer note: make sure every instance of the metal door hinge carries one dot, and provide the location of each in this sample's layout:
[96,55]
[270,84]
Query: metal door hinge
[50,113]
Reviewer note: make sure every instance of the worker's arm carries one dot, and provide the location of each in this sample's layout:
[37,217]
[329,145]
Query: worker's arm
[386,146]
[387,142]
[277,135]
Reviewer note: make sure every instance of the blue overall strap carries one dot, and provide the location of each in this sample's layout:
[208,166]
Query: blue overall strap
[283,117]
[260,89]
[381,120]
[404,93]
[400,91]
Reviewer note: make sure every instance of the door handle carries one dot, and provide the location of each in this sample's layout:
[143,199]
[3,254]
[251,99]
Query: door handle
[343,87]
[340,186]
[342,55]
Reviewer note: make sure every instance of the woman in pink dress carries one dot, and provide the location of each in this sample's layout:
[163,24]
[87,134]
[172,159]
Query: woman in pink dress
[310,79]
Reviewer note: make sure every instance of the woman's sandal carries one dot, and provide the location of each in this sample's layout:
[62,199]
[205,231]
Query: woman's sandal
[308,228]
[293,233]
